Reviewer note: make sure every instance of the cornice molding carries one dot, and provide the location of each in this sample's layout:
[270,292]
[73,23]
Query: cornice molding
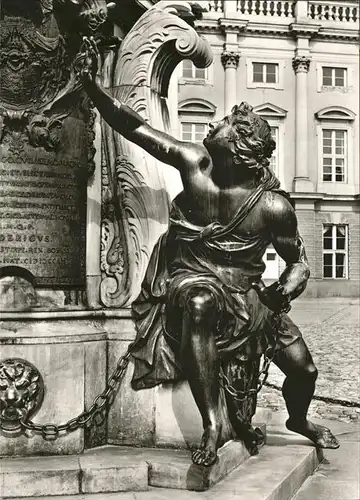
[304,30]
[315,32]
[320,196]
[234,25]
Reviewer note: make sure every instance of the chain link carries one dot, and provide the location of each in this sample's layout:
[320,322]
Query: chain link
[264,372]
[96,414]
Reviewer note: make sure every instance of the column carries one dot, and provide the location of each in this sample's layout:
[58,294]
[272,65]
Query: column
[302,182]
[230,61]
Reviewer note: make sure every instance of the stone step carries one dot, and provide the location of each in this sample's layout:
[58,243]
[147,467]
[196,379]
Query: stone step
[276,473]
[114,469]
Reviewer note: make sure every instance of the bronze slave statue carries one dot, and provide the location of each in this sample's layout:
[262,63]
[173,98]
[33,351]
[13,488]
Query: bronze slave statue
[202,302]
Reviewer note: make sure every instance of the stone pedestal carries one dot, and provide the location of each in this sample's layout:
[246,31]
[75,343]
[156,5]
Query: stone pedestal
[71,358]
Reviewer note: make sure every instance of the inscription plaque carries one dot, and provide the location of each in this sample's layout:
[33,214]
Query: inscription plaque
[46,142]
[42,222]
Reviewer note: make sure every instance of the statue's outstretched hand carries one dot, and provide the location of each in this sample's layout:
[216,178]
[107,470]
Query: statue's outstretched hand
[86,63]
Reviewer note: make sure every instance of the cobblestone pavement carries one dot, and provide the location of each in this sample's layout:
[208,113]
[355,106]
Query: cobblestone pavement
[331,329]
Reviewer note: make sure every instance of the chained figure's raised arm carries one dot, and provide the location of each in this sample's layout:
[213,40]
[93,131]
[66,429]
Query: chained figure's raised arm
[187,157]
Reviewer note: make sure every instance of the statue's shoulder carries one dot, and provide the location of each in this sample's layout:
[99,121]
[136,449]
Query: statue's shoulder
[276,205]
[196,153]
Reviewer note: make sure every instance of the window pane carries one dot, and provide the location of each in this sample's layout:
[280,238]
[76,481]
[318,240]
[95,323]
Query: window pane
[187,69]
[200,127]
[186,137]
[327,169]
[271,73]
[200,73]
[327,237]
[327,77]
[327,134]
[274,156]
[328,265]
[274,134]
[339,170]
[258,72]
[199,132]
[339,149]
[186,132]
[340,136]
[340,265]
[328,259]
[340,237]
[339,77]
[271,256]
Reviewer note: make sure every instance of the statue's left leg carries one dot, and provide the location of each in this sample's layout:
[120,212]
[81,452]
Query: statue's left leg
[296,363]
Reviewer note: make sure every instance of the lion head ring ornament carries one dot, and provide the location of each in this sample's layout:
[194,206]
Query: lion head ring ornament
[21,393]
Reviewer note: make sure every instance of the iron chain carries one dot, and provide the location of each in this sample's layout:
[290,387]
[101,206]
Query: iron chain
[264,372]
[96,414]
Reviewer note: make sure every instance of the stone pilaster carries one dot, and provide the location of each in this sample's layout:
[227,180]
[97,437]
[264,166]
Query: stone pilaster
[302,183]
[230,61]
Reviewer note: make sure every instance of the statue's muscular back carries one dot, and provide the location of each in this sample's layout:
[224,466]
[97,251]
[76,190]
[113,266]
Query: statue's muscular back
[203,201]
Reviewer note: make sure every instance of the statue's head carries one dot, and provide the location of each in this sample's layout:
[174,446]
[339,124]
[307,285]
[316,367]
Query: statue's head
[244,135]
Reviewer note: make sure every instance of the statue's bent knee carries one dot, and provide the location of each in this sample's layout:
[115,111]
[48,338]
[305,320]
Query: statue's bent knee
[201,305]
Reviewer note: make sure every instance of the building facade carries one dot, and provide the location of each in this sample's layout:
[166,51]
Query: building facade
[297,64]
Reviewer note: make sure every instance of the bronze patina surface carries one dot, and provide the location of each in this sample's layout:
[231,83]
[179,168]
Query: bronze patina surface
[203,310]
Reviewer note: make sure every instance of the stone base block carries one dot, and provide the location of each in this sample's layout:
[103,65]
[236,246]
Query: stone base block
[114,469]
[276,473]
[104,470]
[175,469]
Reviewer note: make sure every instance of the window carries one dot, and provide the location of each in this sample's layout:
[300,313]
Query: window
[335,243]
[193,132]
[334,77]
[334,155]
[262,72]
[265,72]
[190,71]
[274,160]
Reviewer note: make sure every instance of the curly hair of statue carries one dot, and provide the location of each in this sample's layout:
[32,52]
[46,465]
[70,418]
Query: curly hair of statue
[251,136]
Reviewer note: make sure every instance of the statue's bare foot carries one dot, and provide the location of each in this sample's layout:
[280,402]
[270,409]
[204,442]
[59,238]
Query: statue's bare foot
[321,436]
[206,454]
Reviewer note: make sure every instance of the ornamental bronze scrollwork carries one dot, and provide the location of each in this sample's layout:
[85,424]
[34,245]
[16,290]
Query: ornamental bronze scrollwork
[21,393]
[38,90]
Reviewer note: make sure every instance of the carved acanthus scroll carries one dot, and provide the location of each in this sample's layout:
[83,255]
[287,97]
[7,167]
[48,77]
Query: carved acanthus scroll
[135,199]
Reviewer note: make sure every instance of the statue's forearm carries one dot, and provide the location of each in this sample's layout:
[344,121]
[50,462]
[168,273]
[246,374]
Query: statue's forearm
[296,274]
[119,116]
[294,279]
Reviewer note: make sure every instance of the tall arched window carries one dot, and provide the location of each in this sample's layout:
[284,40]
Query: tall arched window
[336,171]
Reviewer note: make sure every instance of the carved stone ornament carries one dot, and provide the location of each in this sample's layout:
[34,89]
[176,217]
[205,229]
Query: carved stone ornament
[230,59]
[46,138]
[21,393]
[135,201]
[301,64]
[38,89]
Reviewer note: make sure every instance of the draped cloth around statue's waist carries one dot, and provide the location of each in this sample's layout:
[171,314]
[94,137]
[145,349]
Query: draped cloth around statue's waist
[218,259]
